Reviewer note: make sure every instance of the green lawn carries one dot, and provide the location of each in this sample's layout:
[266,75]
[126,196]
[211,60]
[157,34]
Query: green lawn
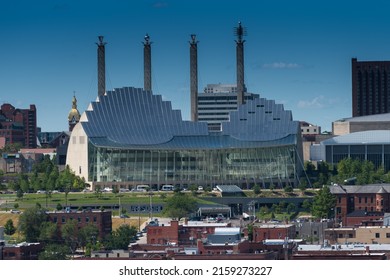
[81,199]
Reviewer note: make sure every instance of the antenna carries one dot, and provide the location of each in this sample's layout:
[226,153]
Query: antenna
[240,32]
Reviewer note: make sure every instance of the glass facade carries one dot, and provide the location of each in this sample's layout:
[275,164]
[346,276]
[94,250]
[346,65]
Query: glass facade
[379,155]
[242,167]
[130,136]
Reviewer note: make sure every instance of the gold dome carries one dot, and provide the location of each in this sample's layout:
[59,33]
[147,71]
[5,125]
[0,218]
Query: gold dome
[74,114]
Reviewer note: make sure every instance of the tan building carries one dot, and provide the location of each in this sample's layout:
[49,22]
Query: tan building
[365,235]
[363,123]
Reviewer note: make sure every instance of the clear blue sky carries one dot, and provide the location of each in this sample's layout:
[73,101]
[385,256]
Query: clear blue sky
[296,52]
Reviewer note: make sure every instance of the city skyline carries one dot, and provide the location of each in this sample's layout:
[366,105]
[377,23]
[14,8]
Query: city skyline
[296,53]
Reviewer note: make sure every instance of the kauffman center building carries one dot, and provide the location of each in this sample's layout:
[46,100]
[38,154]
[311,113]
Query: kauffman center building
[129,136]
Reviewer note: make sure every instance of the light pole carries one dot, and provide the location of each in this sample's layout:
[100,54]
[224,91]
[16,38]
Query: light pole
[150,205]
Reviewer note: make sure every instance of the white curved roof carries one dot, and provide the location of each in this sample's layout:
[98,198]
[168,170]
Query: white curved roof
[362,137]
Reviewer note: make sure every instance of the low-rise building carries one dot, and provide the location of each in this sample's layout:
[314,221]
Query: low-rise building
[101,219]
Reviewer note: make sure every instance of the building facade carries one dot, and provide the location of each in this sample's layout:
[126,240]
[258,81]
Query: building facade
[216,102]
[369,198]
[19,125]
[363,123]
[130,137]
[101,219]
[370,145]
[370,87]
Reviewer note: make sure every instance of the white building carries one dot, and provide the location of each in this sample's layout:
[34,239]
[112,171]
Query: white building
[216,102]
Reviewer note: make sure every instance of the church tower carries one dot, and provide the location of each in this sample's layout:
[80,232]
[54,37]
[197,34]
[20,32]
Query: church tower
[74,114]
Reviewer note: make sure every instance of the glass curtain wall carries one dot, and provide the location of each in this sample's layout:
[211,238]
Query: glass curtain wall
[263,166]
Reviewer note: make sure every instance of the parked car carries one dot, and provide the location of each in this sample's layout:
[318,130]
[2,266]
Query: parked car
[15,211]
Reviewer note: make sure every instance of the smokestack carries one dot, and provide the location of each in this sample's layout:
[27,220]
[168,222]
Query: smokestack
[147,63]
[194,77]
[240,32]
[101,66]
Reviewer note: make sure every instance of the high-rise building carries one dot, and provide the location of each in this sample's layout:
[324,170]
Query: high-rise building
[370,87]
[216,102]
[19,125]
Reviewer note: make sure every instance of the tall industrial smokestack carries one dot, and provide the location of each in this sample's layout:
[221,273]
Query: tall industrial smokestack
[194,77]
[101,66]
[147,63]
[240,32]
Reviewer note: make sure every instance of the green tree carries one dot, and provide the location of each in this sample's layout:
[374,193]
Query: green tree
[88,235]
[179,205]
[307,204]
[121,237]
[30,222]
[48,232]
[256,189]
[9,227]
[55,252]
[323,203]
[59,206]
[69,233]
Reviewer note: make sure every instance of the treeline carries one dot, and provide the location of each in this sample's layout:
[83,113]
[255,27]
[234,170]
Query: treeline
[62,242]
[347,171]
[46,176]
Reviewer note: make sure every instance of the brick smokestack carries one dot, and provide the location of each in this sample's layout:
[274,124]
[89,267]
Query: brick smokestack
[147,63]
[240,32]
[101,60]
[194,77]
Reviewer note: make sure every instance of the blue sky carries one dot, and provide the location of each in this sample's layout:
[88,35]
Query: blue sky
[296,52]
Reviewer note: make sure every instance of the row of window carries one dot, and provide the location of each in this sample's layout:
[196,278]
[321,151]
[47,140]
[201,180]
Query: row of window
[79,219]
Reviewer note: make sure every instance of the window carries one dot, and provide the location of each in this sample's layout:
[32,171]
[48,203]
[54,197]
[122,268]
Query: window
[87,219]
[387,234]
[63,219]
[377,235]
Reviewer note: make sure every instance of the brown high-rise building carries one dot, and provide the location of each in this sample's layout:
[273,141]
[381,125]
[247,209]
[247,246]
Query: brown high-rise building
[370,87]
[19,125]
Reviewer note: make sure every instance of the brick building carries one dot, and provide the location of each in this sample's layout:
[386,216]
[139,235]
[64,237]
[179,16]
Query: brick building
[359,235]
[373,198]
[262,232]
[22,251]
[186,233]
[101,219]
[19,125]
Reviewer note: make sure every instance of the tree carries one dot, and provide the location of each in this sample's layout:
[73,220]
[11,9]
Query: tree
[48,232]
[54,252]
[9,227]
[323,203]
[121,237]
[69,234]
[59,206]
[88,235]
[179,206]
[256,189]
[30,222]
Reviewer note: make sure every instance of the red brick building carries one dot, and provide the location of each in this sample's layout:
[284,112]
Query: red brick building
[19,125]
[101,219]
[22,251]
[369,198]
[186,233]
[262,232]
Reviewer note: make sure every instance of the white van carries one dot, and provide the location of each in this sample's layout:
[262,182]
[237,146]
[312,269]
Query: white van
[167,188]
[141,188]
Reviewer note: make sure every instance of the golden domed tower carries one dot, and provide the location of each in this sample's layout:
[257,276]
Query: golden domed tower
[74,114]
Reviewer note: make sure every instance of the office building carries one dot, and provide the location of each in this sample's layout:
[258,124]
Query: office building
[216,102]
[370,87]
[19,125]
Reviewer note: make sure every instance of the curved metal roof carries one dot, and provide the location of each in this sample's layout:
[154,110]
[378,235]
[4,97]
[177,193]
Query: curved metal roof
[134,117]
[362,137]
